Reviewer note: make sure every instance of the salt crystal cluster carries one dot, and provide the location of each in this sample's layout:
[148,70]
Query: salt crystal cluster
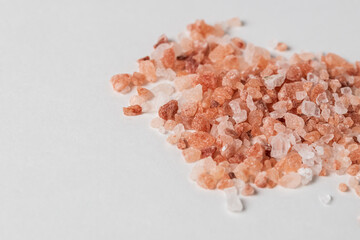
[245,118]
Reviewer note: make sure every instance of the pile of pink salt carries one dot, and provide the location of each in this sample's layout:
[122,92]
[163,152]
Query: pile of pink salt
[244,117]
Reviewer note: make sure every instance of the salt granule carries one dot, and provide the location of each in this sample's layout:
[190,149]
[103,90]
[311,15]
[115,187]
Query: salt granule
[325,199]
[233,201]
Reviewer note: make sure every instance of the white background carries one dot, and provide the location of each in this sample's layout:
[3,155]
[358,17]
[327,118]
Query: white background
[73,167]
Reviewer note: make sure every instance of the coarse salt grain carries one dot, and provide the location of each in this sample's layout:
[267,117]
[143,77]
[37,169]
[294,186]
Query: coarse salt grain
[325,199]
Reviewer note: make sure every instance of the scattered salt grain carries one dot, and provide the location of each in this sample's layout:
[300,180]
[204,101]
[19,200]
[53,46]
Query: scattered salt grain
[325,199]
[233,201]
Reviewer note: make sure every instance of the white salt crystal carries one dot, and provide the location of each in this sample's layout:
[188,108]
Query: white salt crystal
[147,107]
[239,114]
[163,88]
[325,199]
[184,82]
[250,103]
[233,201]
[304,150]
[274,81]
[340,108]
[160,99]
[280,145]
[346,91]
[136,100]
[310,109]
[157,122]
[322,98]
[306,175]
[325,113]
[166,74]
[300,95]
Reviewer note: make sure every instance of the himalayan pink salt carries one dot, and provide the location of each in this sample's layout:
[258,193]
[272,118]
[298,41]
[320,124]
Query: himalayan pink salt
[293,121]
[206,181]
[148,69]
[132,110]
[280,145]
[184,82]
[145,93]
[290,180]
[248,190]
[310,109]
[157,122]
[163,88]
[306,175]
[136,100]
[138,79]
[281,47]
[191,154]
[120,82]
[170,125]
[343,187]
[301,95]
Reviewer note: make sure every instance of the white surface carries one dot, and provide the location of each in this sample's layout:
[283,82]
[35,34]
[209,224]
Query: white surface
[73,167]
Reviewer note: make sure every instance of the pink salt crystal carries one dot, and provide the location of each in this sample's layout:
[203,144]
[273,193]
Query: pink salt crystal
[274,81]
[184,82]
[191,154]
[340,108]
[169,125]
[163,88]
[253,54]
[220,52]
[346,91]
[290,180]
[165,73]
[293,121]
[136,100]
[250,103]
[148,69]
[310,109]
[120,81]
[280,145]
[326,114]
[301,95]
[280,128]
[234,22]
[239,114]
[157,122]
[281,47]
[192,95]
[321,98]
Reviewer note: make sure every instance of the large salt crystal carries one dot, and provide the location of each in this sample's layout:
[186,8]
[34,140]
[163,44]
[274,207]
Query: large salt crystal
[304,150]
[310,109]
[339,108]
[233,201]
[250,103]
[300,95]
[306,175]
[274,81]
[280,145]
[293,121]
[290,180]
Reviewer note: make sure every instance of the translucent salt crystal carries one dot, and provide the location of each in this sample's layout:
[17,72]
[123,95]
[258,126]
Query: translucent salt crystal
[325,113]
[214,130]
[353,182]
[250,103]
[136,100]
[306,175]
[322,98]
[157,122]
[184,82]
[126,90]
[293,121]
[327,138]
[163,88]
[281,106]
[222,118]
[274,81]
[179,128]
[147,107]
[346,91]
[310,109]
[162,130]
[223,126]
[158,53]
[280,145]
[277,114]
[354,100]
[267,99]
[165,73]
[191,95]
[160,99]
[253,53]
[325,199]
[319,150]
[290,180]
[280,128]
[191,154]
[324,84]
[300,95]
[312,77]
[239,114]
[304,150]
[233,201]
[339,108]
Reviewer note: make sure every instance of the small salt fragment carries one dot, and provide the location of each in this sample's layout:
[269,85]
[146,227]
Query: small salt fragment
[290,180]
[191,154]
[281,47]
[233,201]
[343,187]
[325,199]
